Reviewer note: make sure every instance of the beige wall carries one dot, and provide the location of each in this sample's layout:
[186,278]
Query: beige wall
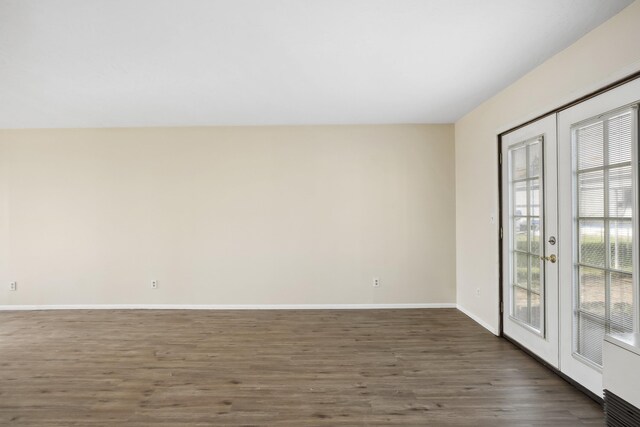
[609,52]
[252,215]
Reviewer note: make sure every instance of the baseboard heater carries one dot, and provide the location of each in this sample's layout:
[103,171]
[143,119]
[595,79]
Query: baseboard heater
[621,380]
[619,412]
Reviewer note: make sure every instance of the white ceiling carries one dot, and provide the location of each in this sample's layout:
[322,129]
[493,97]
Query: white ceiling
[118,63]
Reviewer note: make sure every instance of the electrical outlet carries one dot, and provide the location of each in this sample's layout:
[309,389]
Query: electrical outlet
[154,284]
[477,292]
[13,286]
[376,282]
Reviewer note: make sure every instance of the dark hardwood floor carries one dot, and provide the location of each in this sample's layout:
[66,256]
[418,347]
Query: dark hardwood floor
[273,368]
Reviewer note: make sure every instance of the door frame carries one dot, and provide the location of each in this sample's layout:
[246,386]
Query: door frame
[619,82]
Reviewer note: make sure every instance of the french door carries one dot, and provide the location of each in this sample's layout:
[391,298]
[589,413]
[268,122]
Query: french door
[530,224]
[598,167]
[570,227]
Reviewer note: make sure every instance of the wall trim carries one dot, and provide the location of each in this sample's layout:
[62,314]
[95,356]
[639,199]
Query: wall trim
[9,307]
[478,320]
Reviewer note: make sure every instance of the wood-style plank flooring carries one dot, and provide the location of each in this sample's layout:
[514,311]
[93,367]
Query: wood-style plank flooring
[273,368]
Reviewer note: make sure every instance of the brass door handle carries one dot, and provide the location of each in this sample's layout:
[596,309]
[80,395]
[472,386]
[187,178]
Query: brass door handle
[551,258]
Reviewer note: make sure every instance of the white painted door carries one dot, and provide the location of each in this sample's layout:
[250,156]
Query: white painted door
[598,208]
[530,238]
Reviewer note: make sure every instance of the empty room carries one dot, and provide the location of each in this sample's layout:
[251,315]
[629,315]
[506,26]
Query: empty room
[319,212]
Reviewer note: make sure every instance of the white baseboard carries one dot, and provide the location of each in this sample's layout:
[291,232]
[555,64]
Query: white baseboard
[224,306]
[479,321]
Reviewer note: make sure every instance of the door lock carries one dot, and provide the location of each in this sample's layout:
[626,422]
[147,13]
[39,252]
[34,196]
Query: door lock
[552,258]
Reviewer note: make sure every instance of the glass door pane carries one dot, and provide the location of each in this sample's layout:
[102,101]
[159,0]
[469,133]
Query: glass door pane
[525,185]
[603,286]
